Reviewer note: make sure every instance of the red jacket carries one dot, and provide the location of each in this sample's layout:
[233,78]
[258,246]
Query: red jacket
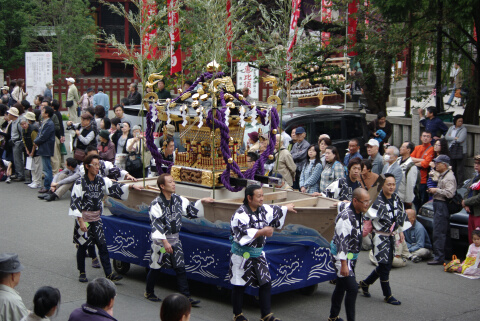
[427,156]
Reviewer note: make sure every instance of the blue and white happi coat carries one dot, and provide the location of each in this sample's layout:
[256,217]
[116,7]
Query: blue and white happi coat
[108,169]
[342,189]
[243,226]
[88,196]
[166,220]
[385,214]
[347,239]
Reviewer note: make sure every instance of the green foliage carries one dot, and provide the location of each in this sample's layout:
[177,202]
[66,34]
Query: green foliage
[14,20]
[67,29]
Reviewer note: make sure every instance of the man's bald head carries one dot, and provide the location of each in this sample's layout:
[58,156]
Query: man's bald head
[359,193]
[411,215]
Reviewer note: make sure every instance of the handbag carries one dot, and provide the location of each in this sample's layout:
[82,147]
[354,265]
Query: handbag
[456,151]
[453,265]
[454,204]
[134,163]
[63,149]
[79,154]
[69,103]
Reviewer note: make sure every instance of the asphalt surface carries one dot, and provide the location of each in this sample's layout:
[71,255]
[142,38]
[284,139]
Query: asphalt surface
[41,233]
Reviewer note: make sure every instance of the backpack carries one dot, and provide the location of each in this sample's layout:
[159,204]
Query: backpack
[416,190]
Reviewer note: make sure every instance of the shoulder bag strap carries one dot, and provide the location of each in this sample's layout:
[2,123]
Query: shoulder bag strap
[426,150]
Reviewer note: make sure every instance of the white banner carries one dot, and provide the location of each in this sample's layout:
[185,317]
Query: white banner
[248,77]
[38,71]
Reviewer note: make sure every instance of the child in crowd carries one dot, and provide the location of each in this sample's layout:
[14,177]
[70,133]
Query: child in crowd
[5,171]
[471,264]
[175,307]
[45,304]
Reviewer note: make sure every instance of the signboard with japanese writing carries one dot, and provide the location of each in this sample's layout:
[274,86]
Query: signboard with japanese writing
[38,71]
[248,76]
[149,9]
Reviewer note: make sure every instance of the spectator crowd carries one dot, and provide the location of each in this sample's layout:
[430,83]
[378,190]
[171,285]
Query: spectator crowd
[105,150]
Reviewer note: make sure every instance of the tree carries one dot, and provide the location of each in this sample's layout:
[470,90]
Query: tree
[14,23]
[67,29]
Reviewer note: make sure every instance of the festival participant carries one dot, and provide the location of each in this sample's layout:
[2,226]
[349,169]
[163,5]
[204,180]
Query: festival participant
[251,159]
[343,188]
[166,213]
[101,295]
[387,217]
[108,169]
[368,178]
[345,247]
[251,224]
[87,207]
[11,304]
[168,154]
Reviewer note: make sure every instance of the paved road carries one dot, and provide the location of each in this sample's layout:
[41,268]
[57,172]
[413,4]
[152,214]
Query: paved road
[41,233]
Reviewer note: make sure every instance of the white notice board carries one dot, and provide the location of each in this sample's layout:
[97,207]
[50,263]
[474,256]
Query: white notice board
[38,71]
[248,77]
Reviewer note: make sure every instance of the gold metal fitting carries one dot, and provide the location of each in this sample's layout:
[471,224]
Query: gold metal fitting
[195,96]
[270,157]
[230,105]
[274,131]
[240,97]
[204,97]
[230,160]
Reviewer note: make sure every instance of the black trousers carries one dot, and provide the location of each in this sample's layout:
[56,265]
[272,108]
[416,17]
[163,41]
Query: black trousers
[382,271]
[264,295]
[104,258]
[442,243]
[349,286]
[182,282]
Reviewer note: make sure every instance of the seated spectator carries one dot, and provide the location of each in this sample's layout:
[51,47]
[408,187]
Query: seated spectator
[471,200]
[343,188]
[417,239]
[175,307]
[134,97]
[63,181]
[137,145]
[45,304]
[11,304]
[312,171]
[368,178]
[375,156]
[5,171]
[106,148]
[101,294]
[251,159]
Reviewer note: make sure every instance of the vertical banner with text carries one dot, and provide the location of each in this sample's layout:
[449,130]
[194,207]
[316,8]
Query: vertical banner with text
[326,18]
[352,26]
[175,54]
[248,77]
[38,71]
[149,50]
[292,36]
[228,30]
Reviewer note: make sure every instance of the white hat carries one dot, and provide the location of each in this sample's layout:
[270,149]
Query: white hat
[4,88]
[13,111]
[372,142]
[30,116]
[70,79]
